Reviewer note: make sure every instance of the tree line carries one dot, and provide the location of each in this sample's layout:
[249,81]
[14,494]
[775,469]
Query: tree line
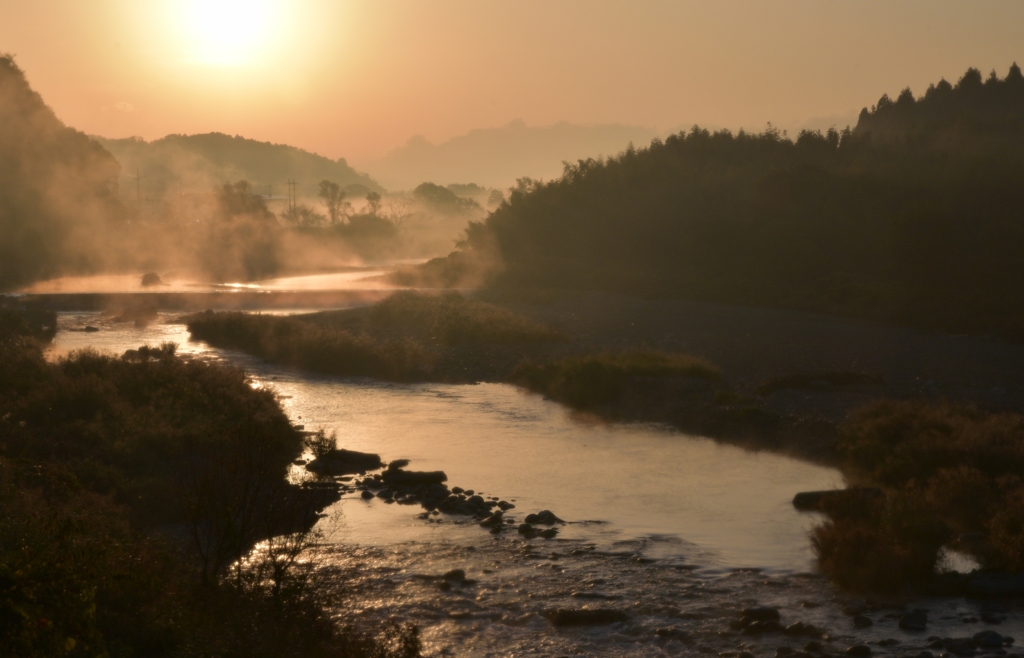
[915,215]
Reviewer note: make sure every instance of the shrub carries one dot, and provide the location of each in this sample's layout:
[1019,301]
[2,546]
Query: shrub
[947,468]
[594,380]
[883,547]
[130,488]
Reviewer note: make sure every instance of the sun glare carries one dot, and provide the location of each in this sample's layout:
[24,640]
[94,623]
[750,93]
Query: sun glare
[228,32]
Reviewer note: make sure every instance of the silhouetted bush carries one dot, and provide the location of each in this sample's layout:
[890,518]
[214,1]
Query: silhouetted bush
[947,470]
[883,547]
[129,489]
[590,381]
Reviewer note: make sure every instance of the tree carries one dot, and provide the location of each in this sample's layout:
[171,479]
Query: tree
[334,198]
[304,216]
[373,200]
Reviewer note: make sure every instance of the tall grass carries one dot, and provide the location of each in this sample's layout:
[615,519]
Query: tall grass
[298,343]
[396,339]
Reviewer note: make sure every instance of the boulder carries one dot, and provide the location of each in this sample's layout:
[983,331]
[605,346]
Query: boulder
[800,628]
[455,574]
[563,617]
[760,613]
[344,462]
[545,517]
[914,621]
[859,650]
[817,501]
[759,627]
[988,640]
[493,521]
[404,478]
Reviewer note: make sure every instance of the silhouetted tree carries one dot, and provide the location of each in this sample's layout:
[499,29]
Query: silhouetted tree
[334,199]
[373,200]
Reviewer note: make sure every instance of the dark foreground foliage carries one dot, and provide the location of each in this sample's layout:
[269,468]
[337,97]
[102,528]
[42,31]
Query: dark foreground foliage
[951,474]
[391,340]
[129,488]
[586,382]
[914,216]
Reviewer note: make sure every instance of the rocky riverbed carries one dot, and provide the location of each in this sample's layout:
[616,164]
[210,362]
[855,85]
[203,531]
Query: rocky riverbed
[514,588]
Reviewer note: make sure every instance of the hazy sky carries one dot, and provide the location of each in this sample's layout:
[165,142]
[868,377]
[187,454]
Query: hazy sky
[356,78]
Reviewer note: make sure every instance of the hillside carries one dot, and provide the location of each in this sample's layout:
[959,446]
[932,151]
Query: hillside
[914,216]
[198,162]
[58,191]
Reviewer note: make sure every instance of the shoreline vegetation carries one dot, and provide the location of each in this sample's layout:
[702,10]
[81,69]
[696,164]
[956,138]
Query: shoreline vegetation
[948,473]
[133,490]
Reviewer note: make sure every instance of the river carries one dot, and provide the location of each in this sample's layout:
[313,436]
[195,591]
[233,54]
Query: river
[679,530]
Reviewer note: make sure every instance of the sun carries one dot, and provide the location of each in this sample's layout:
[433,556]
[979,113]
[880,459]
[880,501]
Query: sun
[228,32]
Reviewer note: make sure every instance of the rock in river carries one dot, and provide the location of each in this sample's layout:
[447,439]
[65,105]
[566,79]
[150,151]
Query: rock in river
[562,617]
[914,621]
[413,478]
[807,501]
[545,517]
[344,462]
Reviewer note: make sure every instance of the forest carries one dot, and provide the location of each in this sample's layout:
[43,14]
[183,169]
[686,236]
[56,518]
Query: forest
[914,216]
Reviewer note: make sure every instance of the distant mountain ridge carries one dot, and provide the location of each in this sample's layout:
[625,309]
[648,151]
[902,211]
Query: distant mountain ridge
[195,162]
[496,157]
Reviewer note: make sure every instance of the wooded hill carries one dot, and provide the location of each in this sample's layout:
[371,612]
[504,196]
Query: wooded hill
[916,215]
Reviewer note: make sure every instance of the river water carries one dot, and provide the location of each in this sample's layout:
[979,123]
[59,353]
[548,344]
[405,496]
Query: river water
[679,531]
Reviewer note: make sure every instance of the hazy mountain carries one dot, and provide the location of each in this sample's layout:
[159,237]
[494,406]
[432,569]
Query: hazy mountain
[496,157]
[196,162]
[57,190]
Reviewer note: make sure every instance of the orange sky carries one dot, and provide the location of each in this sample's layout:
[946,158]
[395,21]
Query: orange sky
[353,79]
